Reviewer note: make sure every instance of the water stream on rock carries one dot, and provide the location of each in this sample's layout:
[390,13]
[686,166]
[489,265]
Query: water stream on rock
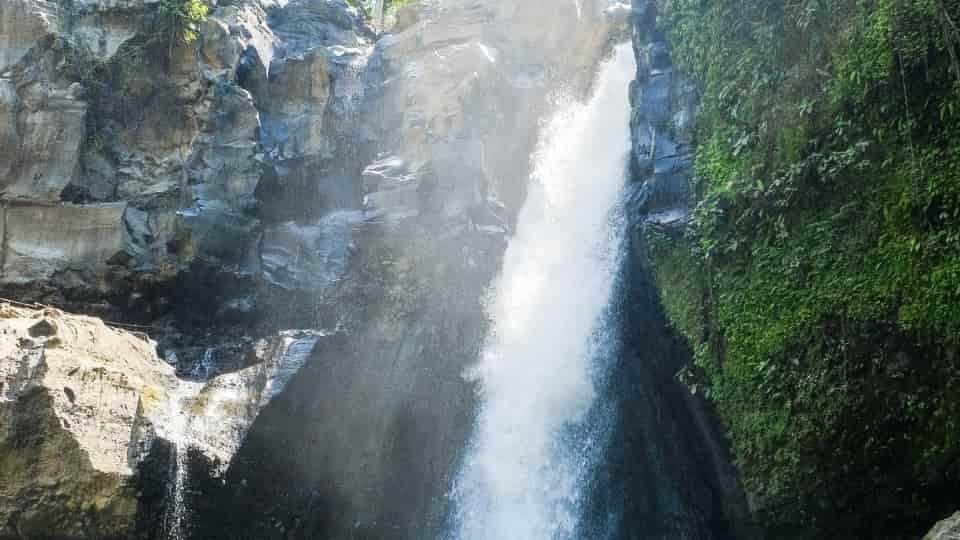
[532,451]
[176,431]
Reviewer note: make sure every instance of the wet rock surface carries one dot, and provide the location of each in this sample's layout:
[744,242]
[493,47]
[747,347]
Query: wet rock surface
[668,473]
[664,104]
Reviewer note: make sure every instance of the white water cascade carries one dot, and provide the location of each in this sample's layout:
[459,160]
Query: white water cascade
[523,475]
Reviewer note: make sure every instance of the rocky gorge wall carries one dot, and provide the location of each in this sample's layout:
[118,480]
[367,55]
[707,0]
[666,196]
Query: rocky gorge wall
[797,236]
[668,473]
[288,189]
[132,160]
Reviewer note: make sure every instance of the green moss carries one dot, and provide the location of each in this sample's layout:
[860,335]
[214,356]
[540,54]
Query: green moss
[678,272]
[820,282]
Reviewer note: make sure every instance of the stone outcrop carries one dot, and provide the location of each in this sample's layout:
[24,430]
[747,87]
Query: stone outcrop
[84,406]
[79,407]
[664,104]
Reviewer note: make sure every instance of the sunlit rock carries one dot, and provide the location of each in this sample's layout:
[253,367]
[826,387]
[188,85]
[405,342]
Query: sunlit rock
[78,405]
[83,405]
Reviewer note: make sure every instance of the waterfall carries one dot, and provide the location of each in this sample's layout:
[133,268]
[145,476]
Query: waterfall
[532,449]
[176,432]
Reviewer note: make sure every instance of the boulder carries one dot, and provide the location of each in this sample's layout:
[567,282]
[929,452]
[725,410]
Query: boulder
[79,406]
[83,405]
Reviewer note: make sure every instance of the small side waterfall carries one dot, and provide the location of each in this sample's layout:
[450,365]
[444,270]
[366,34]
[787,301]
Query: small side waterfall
[176,432]
[532,450]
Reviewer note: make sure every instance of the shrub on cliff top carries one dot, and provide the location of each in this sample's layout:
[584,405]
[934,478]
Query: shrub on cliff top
[185,17]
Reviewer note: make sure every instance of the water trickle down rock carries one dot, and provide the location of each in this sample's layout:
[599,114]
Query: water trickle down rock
[82,405]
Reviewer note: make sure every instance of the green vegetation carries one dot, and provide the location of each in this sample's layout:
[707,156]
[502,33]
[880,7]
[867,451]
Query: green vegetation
[819,282]
[185,17]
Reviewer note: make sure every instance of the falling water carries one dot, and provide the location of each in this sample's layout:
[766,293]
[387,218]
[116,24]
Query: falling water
[176,430]
[524,472]
[176,434]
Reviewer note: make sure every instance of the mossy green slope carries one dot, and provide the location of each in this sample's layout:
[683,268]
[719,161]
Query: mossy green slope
[819,280]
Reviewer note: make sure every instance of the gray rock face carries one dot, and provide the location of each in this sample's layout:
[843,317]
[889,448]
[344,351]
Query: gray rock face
[664,104]
[459,75]
[46,242]
[127,162]
[165,147]
[42,115]
[310,257]
[23,23]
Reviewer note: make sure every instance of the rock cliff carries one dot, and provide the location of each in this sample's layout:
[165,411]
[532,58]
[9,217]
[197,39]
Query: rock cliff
[799,244]
[132,159]
[288,190]
[668,473]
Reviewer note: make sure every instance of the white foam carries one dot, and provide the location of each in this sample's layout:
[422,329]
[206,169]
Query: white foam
[521,480]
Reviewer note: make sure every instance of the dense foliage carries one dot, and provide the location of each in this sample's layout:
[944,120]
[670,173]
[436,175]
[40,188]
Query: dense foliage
[820,279]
